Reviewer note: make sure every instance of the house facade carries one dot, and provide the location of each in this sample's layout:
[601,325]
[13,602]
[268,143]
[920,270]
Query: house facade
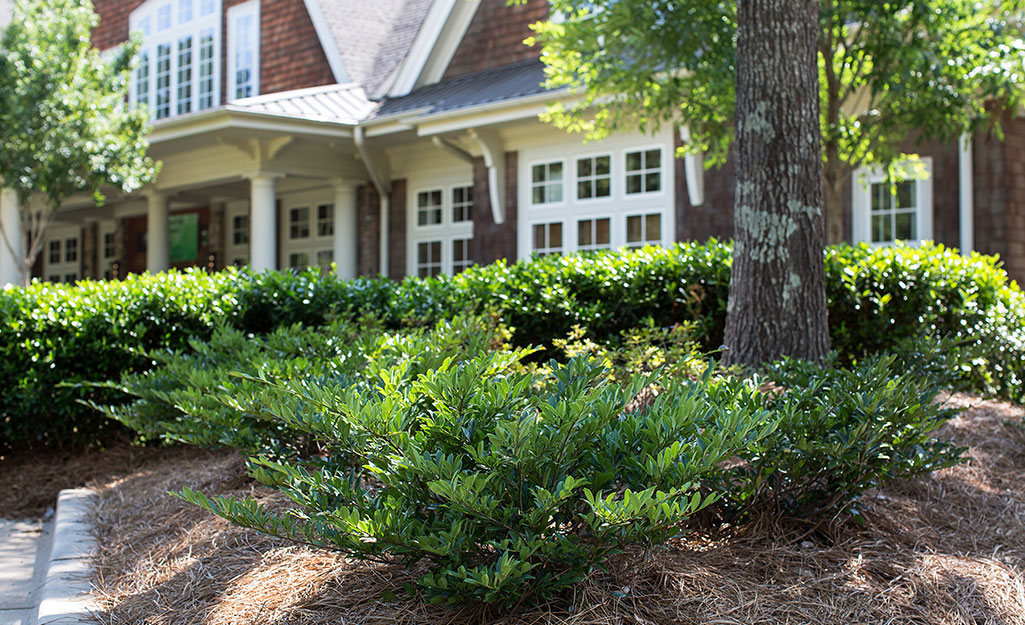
[401,137]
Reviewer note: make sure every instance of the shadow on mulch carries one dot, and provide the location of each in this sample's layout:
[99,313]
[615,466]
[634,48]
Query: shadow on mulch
[945,549]
[32,479]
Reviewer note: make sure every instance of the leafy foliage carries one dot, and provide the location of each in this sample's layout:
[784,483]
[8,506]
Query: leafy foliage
[511,485]
[94,331]
[66,129]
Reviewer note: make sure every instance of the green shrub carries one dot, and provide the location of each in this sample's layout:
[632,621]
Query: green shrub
[511,484]
[843,432]
[201,396]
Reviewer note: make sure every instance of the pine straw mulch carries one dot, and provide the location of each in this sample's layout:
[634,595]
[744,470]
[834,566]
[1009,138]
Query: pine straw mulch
[32,479]
[944,549]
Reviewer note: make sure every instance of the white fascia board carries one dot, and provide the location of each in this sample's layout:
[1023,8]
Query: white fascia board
[405,76]
[437,64]
[327,41]
[224,118]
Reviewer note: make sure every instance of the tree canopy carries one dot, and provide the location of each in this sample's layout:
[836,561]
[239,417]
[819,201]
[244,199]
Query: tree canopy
[66,127]
[887,67]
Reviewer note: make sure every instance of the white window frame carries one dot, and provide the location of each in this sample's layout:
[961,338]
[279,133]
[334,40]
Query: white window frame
[643,216]
[236,13]
[617,207]
[446,232]
[861,201]
[548,162]
[594,231]
[63,268]
[577,179]
[106,263]
[144,20]
[235,252]
[549,249]
[313,244]
[663,159]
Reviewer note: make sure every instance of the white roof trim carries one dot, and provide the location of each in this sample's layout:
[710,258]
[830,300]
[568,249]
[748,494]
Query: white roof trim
[327,41]
[432,50]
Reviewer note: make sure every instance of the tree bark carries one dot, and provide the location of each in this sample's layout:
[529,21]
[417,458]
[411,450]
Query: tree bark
[777,303]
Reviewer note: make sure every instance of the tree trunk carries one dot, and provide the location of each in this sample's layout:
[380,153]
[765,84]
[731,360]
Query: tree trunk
[777,303]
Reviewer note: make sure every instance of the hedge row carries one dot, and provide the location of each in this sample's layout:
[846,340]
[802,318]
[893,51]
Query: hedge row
[53,337]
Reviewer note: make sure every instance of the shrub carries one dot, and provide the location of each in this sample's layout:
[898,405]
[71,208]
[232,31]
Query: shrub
[512,485]
[205,395]
[843,432]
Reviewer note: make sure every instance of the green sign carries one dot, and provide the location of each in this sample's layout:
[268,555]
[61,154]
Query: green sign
[183,237]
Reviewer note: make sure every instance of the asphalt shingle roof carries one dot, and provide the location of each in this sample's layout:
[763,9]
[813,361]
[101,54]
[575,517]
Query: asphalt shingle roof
[484,87]
[373,36]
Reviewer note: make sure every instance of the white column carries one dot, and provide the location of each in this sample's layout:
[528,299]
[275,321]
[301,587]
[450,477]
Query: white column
[263,223]
[345,229]
[157,244]
[10,263]
[966,173]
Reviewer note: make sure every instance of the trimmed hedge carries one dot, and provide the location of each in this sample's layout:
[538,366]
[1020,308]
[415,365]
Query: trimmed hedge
[52,334]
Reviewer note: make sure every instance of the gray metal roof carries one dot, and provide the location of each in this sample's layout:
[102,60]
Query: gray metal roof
[340,104]
[373,36]
[484,87]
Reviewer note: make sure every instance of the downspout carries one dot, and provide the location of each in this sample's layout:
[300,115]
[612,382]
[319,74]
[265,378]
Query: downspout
[967,185]
[383,192]
[694,170]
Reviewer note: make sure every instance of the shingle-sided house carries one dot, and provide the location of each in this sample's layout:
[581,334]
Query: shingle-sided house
[402,137]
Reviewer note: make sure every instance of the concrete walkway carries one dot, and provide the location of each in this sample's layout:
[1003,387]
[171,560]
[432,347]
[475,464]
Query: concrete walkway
[24,556]
[45,566]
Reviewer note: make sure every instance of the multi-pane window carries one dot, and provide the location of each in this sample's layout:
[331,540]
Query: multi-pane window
[163,84]
[109,245]
[428,207]
[428,258]
[643,230]
[546,183]
[547,238]
[299,223]
[644,171]
[240,230]
[888,208]
[594,234]
[439,240]
[325,220]
[461,255]
[594,177]
[324,259]
[184,75]
[244,50]
[71,251]
[178,60]
[894,214]
[462,204]
[55,251]
[298,260]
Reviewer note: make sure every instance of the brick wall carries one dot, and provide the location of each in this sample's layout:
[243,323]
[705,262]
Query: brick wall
[291,56]
[1008,227]
[90,251]
[368,231]
[491,241]
[495,36]
[397,231]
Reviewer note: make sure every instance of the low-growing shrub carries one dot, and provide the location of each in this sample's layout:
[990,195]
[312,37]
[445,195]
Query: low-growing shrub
[844,431]
[202,395]
[512,485]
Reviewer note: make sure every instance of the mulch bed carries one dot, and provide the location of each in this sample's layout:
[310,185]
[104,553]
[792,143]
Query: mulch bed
[944,549]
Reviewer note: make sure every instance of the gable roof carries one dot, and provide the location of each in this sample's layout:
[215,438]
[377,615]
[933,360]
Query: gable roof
[368,37]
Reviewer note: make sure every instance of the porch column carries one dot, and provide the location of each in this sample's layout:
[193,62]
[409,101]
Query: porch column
[157,244]
[345,229]
[263,222]
[10,263]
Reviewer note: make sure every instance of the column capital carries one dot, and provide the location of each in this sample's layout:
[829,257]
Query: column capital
[261,175]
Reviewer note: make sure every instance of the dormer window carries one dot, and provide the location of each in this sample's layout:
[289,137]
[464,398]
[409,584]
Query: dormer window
[178,71]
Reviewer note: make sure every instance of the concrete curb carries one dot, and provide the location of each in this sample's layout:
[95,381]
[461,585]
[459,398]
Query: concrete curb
[65,596]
